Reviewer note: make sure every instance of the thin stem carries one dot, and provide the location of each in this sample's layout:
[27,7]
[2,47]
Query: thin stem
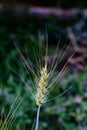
[37,119]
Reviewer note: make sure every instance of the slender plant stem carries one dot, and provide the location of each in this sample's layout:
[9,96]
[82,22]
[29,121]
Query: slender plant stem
[37,119]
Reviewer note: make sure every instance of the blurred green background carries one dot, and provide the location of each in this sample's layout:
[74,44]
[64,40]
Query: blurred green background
[70,110]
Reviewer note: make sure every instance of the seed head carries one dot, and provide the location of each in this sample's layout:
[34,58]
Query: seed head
[41,88]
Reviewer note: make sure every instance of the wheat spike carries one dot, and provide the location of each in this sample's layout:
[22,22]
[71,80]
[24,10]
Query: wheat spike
[41,88]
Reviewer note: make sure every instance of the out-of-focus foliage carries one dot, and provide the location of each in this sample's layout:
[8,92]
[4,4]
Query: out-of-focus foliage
[67,112]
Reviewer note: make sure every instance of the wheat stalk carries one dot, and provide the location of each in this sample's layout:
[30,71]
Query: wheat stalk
[7,123]
[41,92]
[43,85]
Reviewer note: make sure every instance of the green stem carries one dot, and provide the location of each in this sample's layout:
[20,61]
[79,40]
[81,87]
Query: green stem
[37,119]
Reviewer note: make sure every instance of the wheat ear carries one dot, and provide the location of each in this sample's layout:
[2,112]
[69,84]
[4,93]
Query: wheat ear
[41,88]
[41,92]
